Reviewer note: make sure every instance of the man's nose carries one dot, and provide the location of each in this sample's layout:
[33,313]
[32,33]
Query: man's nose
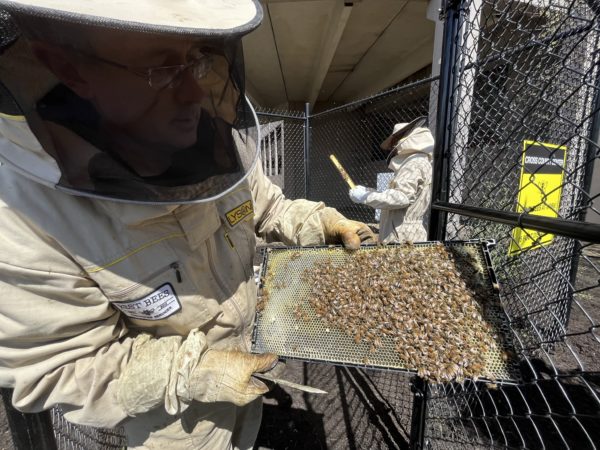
[189,90]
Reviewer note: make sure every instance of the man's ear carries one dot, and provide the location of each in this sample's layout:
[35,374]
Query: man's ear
[63,65]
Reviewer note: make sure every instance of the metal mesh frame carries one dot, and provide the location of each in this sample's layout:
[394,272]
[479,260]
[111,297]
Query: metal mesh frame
[70,436]
[285,293]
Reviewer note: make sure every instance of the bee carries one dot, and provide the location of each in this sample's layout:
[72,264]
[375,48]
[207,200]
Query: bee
[415,296]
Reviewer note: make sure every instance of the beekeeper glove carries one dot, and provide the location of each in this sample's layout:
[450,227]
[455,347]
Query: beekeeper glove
[173,371]
[337,229]
[226,376]
[358,194]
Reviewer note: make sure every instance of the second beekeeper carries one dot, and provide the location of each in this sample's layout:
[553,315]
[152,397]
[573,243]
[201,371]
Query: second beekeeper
[405,203]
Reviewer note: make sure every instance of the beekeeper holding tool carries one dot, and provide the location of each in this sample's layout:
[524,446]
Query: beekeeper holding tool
[129,202]
[405,204]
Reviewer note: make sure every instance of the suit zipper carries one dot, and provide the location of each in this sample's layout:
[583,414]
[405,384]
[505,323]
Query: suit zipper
[233,247]
[229,241]
[173,266]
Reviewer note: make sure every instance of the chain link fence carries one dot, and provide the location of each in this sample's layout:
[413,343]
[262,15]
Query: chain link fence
[521,136]
[283,149]
[353,133]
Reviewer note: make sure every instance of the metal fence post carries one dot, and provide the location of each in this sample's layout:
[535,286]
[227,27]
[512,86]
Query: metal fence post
[306,149]
[437,220]
[593,145]
[419,413]
[592,149]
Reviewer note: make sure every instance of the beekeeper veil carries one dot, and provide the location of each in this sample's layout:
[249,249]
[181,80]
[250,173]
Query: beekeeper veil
[408,138]
[138,101]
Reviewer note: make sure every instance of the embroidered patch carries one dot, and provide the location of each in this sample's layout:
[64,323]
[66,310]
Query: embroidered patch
[239,213]
[157,305]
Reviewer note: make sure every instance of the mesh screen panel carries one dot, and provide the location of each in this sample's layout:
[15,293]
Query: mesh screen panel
[288,325]
[70,436]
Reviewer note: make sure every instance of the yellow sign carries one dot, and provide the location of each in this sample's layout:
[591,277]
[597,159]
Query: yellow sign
[239,213]
[540,189]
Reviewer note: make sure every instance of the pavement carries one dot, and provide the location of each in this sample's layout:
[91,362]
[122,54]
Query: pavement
[6,442]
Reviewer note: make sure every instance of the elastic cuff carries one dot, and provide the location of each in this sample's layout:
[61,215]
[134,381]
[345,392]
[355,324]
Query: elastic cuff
[178,394]
[141,386]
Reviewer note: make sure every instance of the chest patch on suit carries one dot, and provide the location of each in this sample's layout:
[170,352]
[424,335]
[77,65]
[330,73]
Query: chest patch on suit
[239,213]
[157,305]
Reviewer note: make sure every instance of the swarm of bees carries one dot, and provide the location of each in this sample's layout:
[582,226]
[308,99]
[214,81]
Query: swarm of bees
[428,301]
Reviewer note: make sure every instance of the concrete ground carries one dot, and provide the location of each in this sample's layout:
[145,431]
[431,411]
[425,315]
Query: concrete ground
[5,437]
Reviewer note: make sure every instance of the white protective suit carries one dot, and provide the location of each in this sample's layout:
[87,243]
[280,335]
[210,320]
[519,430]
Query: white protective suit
[134,314]
[76,275]
[405,203]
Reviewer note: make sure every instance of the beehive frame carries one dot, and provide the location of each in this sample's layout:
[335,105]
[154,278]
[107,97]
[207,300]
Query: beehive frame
[279,330]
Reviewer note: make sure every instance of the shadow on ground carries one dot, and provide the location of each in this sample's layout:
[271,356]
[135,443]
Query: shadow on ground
[362,409]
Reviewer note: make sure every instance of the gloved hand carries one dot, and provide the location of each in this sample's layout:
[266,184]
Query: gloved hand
[358,194]
[226,376]
[338,229]
[169,371]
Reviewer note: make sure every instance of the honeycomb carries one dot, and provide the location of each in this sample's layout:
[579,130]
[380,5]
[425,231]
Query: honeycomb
[430,308]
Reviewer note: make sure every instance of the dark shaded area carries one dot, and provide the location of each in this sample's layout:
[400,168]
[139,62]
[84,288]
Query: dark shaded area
[363,409]
[28,430]
[291,428]
[6,441]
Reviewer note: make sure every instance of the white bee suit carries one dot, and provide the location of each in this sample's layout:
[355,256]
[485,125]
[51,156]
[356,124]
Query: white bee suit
[405,204]
[83,282]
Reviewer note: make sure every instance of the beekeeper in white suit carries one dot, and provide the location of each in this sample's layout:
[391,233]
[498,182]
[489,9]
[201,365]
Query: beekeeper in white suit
[405,203]
[129,202]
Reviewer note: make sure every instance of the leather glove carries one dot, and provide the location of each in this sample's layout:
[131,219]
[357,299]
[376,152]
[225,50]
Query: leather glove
[337,229]
[226,376]
[358,194]
[173,371]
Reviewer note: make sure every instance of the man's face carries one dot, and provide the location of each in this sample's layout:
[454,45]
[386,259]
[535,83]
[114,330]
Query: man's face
[149,116]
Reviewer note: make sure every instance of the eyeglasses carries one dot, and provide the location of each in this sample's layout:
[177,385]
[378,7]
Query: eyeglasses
[162,77]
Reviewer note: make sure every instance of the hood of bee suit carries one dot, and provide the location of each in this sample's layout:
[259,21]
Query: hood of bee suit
[418,142]
[184,151]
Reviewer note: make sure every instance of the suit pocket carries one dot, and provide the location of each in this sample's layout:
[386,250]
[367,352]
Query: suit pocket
[165,299]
